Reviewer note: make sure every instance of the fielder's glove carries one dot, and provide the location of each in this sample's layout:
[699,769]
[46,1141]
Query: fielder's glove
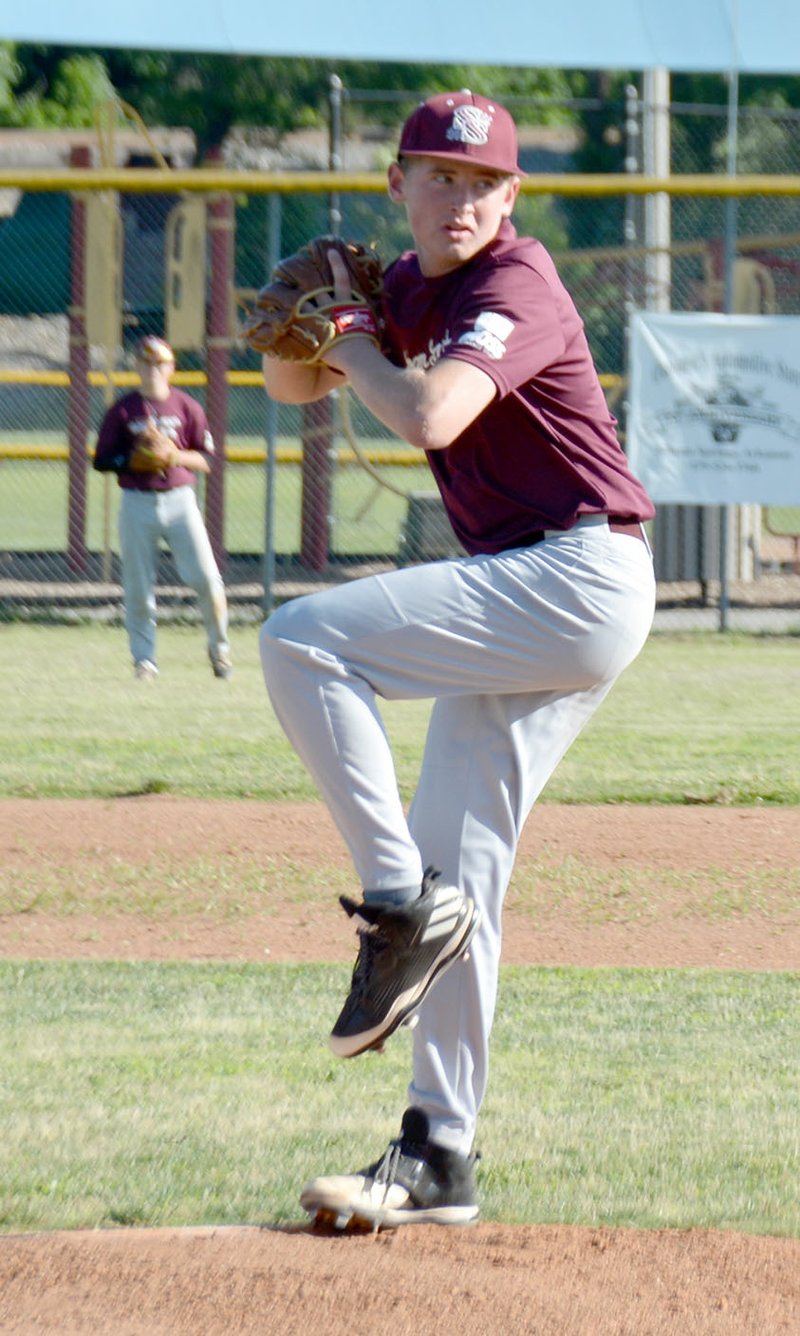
[153,452]
[298,315]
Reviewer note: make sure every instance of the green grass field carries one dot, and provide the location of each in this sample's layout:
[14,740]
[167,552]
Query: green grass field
[176,1094]
[365,516]
[699,718]
[144,1094]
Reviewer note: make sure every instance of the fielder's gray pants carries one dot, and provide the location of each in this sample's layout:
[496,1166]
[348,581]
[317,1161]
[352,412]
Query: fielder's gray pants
[518,651]
[144,519]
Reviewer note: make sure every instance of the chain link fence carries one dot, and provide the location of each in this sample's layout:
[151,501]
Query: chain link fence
[304,496]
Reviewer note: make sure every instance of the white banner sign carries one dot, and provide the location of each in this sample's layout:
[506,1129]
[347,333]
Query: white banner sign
[715,408]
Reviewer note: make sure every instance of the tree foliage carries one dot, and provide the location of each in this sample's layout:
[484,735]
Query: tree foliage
[49,87]
[212,94]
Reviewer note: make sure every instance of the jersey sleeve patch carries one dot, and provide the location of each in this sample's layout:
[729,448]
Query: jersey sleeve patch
[489,334]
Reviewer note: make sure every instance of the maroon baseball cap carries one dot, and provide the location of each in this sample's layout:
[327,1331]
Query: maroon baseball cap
[153,350]
[462,125]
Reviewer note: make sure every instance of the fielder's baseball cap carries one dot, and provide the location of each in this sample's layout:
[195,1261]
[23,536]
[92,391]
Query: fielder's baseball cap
[462,125]
[154,350]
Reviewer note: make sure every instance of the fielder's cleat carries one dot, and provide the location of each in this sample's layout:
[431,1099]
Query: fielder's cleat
[415,1183]
[401,954]
[145,671]
[221,665]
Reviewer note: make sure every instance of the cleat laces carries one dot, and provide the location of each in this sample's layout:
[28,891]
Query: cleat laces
[386,1175]
[371,943]
[370,946]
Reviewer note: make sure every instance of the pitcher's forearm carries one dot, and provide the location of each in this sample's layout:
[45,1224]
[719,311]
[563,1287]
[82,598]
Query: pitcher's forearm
[298,382]
[428,407]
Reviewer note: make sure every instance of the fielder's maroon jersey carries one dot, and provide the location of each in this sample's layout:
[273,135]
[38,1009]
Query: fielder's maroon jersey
[179,416]
[545,451]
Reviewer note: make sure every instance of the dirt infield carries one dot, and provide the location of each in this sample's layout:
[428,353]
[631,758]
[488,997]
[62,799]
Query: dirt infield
[492,1279]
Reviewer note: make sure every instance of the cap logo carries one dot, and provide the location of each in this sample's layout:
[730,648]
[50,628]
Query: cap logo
[153,350]
[470,125]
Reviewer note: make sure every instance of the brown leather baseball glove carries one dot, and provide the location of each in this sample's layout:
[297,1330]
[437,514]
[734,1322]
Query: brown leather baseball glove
[298,316]
[153,452]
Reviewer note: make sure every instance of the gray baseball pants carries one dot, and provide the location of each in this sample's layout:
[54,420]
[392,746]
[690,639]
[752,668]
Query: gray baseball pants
[517,650]
[144,519]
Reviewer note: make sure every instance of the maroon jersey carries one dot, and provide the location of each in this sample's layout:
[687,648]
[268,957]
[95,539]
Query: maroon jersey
[545,450]
[179,416]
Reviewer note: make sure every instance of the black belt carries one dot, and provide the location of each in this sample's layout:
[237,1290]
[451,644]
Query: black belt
[631,527]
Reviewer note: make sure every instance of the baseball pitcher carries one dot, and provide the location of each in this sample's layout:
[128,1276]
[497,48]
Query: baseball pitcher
[474,353]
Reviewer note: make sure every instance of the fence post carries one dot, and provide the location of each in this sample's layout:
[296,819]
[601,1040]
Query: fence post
[317,484]
[335,161]
[273,248]
[220,223]
[78,393]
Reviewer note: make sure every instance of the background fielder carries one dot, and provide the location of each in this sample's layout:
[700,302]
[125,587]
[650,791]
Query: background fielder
[156,440]
[483,364]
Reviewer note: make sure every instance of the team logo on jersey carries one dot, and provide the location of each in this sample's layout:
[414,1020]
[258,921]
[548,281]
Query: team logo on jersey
[169,425]
[430,355]
[470,125]
[489,334]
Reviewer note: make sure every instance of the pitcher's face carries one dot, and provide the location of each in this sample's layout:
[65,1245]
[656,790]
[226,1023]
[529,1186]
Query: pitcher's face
[454,208]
